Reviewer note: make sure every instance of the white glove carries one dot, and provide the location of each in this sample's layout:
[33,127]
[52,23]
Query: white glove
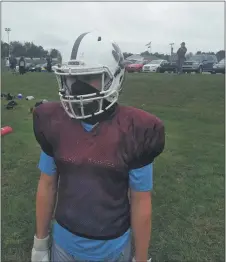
[40,250]
[134,260]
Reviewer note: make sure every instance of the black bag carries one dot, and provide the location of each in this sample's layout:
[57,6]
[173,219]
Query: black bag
[9,97]
[11,105]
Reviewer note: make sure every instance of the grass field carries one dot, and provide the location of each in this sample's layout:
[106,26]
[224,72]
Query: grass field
[188,196]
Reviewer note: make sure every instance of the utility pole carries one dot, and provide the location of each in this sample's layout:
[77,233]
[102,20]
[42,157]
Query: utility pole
[171,50]
[8,30]
[149,46]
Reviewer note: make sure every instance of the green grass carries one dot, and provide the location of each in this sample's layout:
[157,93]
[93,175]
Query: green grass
[188,196]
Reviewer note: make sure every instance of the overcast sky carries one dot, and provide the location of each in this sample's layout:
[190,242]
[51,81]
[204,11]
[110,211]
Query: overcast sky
[131,25]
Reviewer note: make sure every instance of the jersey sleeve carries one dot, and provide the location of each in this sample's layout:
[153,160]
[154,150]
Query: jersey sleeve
[149,142]
[47,164]
[38,127]
[141,179]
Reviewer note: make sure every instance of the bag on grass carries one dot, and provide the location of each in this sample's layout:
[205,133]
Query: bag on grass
[9,97]
[11,105]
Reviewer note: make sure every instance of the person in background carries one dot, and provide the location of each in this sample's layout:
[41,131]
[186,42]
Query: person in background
[59,58]
[13,64]
[22,65]
[49,63]
[181,56]
[7,63]
[94,152]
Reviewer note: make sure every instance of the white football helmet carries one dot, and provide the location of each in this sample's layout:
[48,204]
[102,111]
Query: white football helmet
[98,62]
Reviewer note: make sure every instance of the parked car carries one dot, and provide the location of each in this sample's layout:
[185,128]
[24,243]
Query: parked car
[43,67]
[154,65]
[199,63]
[32,68]
[38,68]
[219,67]
[136,67]
[127,62]
[170,67]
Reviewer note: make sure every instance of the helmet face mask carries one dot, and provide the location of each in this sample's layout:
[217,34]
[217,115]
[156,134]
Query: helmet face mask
[75,86]
[91,83]
[84,96]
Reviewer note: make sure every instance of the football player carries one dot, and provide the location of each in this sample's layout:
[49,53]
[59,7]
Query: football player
[94,151]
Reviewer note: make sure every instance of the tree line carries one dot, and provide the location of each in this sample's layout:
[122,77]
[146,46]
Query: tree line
[220,54]
[27,49]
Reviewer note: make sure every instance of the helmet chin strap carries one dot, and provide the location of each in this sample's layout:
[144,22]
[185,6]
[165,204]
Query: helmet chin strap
[106,115]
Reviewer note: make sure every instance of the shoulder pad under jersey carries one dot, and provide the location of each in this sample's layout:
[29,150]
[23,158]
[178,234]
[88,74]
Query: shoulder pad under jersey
[147,135]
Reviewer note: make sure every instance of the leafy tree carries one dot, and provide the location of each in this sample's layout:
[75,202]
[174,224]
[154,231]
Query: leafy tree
[220,55]
[27,49]
[4,49]
[125,54]
[145,53]
[189,55]
[17,49]
[54,53]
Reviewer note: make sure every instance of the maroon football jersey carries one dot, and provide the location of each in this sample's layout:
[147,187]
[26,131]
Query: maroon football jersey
[94,166]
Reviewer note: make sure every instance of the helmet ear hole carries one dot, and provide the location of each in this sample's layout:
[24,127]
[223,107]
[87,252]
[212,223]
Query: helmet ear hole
[99,38]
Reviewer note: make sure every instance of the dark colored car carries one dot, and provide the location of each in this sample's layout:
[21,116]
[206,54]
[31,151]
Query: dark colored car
[219,67]
[169,67]
[199,63]
[32,68]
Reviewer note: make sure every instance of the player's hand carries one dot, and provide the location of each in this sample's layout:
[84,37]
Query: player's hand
[40,250]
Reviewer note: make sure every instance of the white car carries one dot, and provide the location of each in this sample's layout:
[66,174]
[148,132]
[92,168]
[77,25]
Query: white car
[154,65]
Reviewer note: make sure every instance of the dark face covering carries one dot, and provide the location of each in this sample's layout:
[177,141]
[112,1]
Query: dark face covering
[81,88]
